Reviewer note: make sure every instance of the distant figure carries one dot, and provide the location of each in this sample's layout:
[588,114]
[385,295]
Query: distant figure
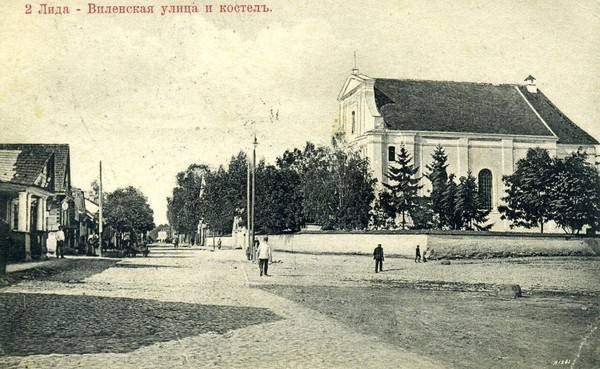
[255,250]
[219,244]
[176,242]
[378,257]
[60,243]
[93,243]
[424,257]
[264,255]
[249,252]
[418,255]
[126,238]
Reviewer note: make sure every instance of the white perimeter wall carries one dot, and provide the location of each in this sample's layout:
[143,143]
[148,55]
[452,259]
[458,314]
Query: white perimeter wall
[439,245]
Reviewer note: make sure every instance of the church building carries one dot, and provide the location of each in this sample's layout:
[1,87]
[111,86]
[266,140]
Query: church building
[485,128]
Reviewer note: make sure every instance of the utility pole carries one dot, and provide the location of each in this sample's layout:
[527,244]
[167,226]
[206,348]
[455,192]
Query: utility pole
[100,196]
[255,143]
[248,239]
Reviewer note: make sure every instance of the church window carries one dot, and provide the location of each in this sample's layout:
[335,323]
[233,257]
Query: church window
[353,122]
[485,189]
[392,153]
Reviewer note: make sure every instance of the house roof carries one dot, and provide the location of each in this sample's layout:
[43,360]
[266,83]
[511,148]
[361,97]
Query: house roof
[23,163]
[472,108]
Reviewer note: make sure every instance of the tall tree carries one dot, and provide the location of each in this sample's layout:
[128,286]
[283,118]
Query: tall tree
[127,209]
[450,217]
[575,193]
[528,200]
[336,185]
[403,185]
[438,175]
[468,206]
[224,195]
[184,210]
[278,200]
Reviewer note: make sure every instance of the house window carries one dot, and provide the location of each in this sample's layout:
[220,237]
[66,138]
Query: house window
[392,153]
[353,122]
[485,189]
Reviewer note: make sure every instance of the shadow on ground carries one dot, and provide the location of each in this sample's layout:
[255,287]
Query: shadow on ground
[42,324]
[68,271]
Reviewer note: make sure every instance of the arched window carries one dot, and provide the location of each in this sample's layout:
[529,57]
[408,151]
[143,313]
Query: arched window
[485,189]
[353,122]
[392,153]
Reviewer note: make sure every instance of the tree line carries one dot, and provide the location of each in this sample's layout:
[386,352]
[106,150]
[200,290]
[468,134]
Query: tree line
[327,185]
[334,187]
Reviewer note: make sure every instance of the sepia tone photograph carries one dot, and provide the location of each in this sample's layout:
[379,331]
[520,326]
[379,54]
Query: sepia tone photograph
[300,184]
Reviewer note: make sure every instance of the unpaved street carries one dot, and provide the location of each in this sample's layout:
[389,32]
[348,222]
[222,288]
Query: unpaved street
[194,308]
[177,308]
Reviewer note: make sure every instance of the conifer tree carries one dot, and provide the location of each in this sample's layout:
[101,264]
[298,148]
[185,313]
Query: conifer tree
[449,216]
[438,176]
[468,206]
[403,185]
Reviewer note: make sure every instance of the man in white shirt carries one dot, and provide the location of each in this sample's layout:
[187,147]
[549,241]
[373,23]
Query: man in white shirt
[265,255]
[60,242]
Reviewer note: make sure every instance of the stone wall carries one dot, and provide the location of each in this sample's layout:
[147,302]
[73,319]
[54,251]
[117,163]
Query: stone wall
[439,245]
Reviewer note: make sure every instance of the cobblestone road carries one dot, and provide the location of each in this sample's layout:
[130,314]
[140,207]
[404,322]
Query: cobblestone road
[178,308]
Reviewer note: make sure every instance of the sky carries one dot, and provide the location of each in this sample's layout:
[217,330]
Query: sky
[148,95]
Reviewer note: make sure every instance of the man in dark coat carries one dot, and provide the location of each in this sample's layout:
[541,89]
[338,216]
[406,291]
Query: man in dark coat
[378,256]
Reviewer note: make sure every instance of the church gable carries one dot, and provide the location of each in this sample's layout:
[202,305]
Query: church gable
[352,82]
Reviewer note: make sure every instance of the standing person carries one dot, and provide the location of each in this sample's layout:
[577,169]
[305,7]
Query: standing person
[249,252]
[219,244]
[378,257]
[417,255]
[60,243]
[255,250]
[176,242]
[265,256]
[93,243]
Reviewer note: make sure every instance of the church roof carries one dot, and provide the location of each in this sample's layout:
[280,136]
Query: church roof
[472,108]
[566,130]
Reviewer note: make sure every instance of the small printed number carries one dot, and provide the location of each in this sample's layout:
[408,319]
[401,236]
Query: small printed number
[562,362]
[27,8]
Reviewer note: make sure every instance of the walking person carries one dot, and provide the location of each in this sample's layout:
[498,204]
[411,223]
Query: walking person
[378,257]
[265,256]
[60,243]
[417,255]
